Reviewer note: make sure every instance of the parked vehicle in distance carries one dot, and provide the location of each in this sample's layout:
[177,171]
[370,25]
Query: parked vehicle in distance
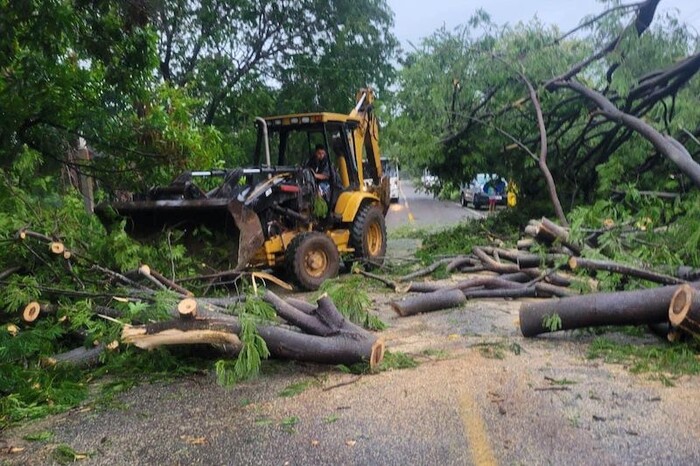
[428,180]
[476,192]
[391,169]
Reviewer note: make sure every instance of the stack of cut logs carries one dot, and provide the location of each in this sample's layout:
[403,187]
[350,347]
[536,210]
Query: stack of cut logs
[312,333]
[302,331]
[320,334]
[517,273]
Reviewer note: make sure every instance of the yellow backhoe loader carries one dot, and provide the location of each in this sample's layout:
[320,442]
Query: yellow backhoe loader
[272,206]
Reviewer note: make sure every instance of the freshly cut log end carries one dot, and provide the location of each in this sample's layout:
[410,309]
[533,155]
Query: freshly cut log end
[377,354]
[31,312]
[67,254]
[684,310]
[573,263]
[680,305]
[187,308]
[22,234]
[57,247]
[145,270]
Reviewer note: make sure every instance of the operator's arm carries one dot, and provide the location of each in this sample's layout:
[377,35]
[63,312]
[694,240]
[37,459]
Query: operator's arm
[324,170]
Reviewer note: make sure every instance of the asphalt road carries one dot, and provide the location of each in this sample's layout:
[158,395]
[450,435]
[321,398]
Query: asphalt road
[416,209]
[481,394]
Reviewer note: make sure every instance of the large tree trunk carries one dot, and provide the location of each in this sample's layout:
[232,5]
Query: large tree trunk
[638,307]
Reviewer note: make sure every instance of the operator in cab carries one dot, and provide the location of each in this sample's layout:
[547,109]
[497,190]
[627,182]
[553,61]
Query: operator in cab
[321,167]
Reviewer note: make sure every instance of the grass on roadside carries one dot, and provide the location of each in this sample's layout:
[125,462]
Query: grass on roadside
[664,362]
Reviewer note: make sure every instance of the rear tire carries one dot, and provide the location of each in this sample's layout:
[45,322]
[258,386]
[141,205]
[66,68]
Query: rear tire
[312,258]
[368,235]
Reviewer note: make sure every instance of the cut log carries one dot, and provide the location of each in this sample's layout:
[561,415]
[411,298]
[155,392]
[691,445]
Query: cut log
[560,234]
[527,260]
[436,301]
[490,263]
[190,335]
[31,312]
[523,292]
[639,307]
[624,269]
[458,262]
[547,289]
[684,310]
[420,287]
[303,306]
[525,243]
[187,308]
[308,323]
[56,247]
[192,307]
[81,357]
[281,342]
[486,282]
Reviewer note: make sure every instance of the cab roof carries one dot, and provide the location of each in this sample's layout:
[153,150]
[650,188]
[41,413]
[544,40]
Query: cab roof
[309,118]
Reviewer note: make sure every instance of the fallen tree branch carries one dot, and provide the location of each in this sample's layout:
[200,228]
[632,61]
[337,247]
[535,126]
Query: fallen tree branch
[424,271]
[624,269]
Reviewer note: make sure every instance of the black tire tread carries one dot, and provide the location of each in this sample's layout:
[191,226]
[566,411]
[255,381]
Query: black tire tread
[357,235]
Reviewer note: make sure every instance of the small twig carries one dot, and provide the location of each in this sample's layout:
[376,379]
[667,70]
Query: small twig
[552,389]
[385,281]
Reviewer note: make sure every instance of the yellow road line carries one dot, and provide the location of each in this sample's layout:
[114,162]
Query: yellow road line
[474,428]
[411,218]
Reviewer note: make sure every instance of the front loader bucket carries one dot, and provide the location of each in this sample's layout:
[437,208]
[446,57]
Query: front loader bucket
[251,236]
[148,218]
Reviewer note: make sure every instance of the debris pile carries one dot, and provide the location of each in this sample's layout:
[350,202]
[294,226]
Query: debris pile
[497,272]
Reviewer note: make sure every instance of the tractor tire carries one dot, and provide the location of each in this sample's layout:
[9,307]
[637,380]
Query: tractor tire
[312,258]
[368,236]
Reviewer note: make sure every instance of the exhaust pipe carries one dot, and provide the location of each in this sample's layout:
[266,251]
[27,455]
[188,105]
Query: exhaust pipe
[267,142]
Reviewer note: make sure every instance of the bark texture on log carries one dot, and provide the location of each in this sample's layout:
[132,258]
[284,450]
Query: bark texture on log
[80,357]
[638,307]
[281,342]
[438,300]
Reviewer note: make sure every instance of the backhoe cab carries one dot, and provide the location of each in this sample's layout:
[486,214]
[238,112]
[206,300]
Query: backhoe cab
[273,207]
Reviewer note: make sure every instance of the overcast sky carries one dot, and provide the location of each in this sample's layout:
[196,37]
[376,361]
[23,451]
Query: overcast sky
[415,19]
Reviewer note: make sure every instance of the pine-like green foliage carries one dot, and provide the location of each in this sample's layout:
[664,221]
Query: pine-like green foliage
[351,301]
[254,349]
